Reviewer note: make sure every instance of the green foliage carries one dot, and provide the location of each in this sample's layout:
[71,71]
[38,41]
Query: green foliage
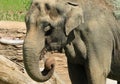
[13,9]
[16,9]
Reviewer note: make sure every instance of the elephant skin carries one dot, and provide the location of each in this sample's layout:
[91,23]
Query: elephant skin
[88,32]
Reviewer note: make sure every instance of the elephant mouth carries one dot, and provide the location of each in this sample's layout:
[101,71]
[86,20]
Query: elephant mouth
[54,47]
[42,57]
[42,54]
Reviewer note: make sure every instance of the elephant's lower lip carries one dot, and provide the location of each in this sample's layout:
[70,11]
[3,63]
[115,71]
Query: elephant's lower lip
[42,53]
[54,48]
[49,49]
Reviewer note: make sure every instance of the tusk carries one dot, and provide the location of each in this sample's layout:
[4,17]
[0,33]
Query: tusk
[11,41]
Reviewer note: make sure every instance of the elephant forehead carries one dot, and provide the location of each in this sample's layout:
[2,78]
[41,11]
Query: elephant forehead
[45,1]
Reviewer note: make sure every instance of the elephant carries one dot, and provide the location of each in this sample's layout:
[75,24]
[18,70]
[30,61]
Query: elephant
[86,30]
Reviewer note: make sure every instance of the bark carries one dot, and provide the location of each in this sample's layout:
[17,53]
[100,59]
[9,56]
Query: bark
[10,74]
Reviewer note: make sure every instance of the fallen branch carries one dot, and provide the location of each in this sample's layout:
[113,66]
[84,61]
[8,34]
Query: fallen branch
[10,74]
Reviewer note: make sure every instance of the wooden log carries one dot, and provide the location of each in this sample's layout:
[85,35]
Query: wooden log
[10,74]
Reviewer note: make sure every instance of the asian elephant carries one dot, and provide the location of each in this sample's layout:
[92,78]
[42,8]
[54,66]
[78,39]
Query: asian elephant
[86,29]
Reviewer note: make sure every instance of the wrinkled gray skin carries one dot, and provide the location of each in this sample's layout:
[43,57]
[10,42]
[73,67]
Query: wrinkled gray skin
[87,31]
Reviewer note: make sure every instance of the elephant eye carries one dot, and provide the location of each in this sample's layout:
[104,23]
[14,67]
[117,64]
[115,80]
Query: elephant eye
[48,30]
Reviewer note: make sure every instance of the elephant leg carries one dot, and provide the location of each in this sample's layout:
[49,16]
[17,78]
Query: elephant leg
[96,75]
[118,82]
[77,74]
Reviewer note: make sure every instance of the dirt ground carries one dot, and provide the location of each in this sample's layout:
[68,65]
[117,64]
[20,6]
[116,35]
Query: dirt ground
[16,30]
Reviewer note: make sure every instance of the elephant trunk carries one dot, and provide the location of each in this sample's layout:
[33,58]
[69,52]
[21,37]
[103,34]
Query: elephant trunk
[32,48]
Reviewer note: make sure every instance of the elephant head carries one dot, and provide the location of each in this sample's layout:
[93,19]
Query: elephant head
[48,22]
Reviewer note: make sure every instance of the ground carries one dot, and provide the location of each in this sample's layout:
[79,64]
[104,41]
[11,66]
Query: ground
[16,30]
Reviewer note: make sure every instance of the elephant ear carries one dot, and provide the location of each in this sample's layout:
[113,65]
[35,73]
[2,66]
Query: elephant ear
[74,17]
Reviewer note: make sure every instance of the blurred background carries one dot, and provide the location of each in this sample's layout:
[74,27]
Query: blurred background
[13,10]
